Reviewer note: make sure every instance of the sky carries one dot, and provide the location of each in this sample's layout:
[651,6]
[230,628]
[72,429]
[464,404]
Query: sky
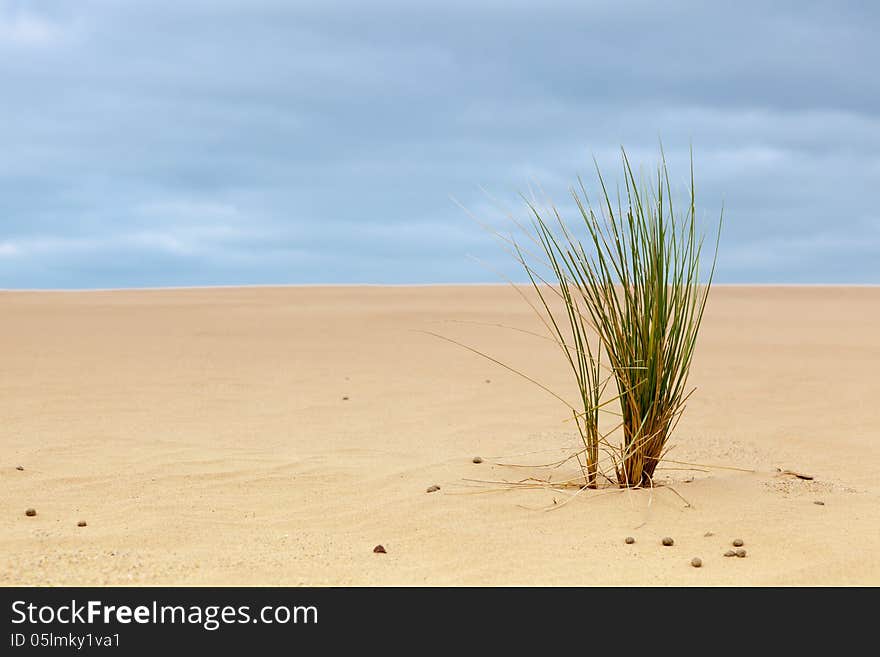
[241,142]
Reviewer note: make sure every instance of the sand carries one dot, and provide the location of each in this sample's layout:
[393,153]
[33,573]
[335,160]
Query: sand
[205,437]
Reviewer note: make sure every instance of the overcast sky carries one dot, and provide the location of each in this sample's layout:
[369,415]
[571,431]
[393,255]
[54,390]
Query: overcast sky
[202,142]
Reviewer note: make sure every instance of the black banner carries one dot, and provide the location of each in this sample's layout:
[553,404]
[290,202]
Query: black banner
[129,621]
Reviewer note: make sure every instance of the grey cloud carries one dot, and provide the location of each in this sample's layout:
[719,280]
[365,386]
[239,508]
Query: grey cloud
[225,142]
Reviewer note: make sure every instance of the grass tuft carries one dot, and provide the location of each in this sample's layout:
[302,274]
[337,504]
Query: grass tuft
[632,305]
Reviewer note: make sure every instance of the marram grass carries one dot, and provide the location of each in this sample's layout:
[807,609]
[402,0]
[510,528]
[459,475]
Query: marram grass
[633,302]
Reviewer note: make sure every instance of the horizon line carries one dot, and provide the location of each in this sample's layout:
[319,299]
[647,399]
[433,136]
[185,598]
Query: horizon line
[161,288]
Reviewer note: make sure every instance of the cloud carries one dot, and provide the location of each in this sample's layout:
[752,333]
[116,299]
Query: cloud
[227,142]
[21,29]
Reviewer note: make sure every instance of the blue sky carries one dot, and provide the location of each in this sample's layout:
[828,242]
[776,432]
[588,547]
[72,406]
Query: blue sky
[222,142]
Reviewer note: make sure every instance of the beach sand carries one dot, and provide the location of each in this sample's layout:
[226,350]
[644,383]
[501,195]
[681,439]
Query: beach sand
[261,436]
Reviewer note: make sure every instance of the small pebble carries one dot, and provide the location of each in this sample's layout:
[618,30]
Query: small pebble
[19,468]
[379,549]
[819,502]
[81,523]
[432,489]
[478,459]
[30,512]
[741,553]
[708,534]
[738,542]
[488,381]
[629,540]
[730,553]
[345,399]
[667,541]
[696,562]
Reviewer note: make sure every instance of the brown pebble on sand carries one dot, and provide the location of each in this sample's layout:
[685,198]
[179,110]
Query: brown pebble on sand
[478,459]
[741,553]
[819,502]
[730,553]
[708,534]
[738,542]
[81,523]
[345,399]
[488,381]
[19,468]
[696,562]
[629,540]
[30,512]
[379,549]
[667,541]
[432,489]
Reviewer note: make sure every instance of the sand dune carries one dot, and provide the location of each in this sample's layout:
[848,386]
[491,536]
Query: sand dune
[205,438]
